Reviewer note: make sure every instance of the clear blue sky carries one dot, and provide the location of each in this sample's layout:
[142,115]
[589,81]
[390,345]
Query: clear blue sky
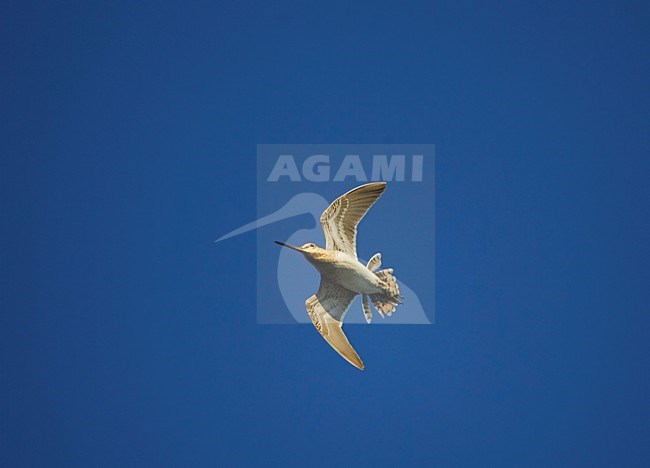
[129,129]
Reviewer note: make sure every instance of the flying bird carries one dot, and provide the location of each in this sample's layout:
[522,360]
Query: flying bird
[342,276]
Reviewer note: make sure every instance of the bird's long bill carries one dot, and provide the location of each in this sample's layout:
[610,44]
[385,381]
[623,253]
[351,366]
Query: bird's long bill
[289,246]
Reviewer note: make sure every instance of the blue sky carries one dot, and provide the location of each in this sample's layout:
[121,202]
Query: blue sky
[129,134]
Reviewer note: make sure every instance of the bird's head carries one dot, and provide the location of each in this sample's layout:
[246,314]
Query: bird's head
[310,251]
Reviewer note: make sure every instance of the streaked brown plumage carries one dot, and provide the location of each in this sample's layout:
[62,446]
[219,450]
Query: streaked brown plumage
[342,275]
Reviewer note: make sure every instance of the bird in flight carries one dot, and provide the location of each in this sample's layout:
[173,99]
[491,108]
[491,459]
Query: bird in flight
[342,276]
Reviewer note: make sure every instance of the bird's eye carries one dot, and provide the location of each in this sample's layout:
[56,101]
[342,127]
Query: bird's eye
[312,245]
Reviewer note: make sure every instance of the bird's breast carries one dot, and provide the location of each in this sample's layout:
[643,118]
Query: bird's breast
[350,273]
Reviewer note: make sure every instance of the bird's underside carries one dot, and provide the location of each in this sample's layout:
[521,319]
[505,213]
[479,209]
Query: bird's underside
[327,308]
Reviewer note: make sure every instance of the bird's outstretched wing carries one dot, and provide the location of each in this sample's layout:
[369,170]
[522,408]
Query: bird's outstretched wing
[340,219]
[327,309]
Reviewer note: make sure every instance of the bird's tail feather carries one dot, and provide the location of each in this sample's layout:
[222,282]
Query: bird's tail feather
[386,301]
[365,305]
[374,262]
